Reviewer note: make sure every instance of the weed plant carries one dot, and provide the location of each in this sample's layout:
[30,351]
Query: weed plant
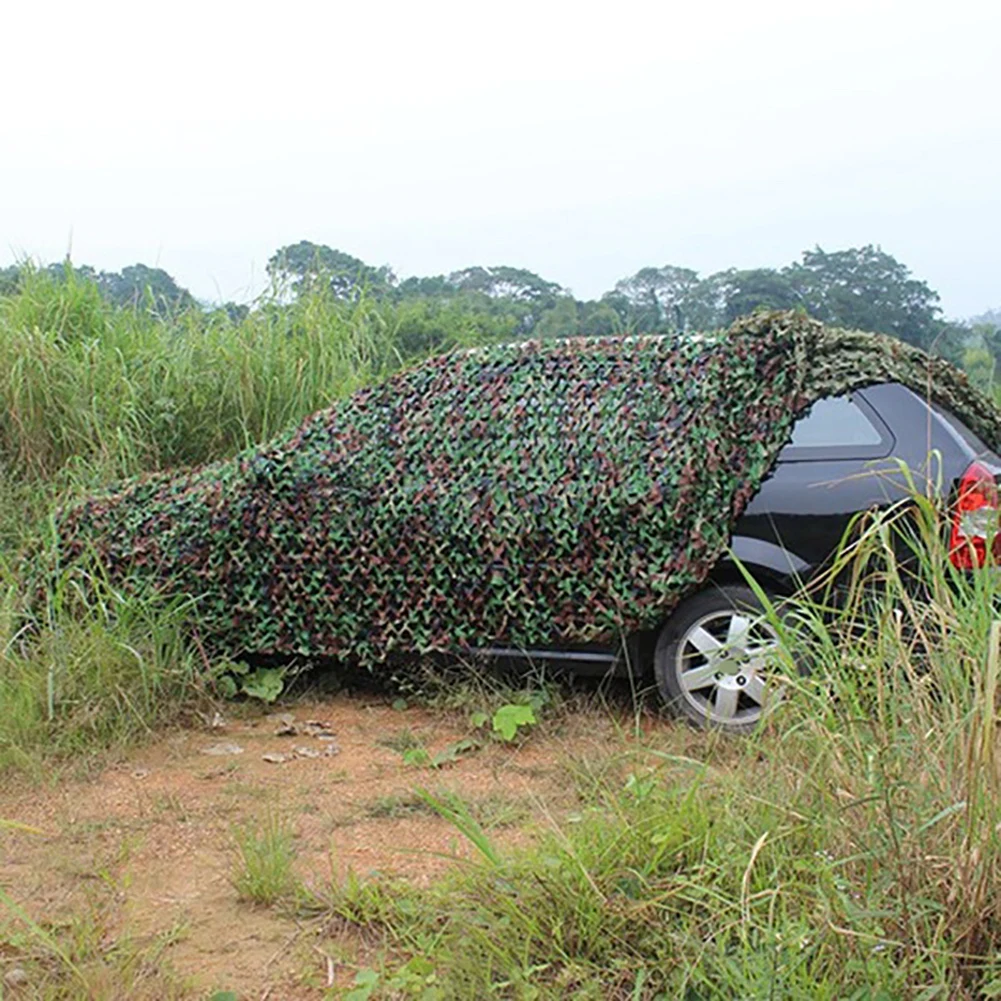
[89,669]
[263,865]
[89,392]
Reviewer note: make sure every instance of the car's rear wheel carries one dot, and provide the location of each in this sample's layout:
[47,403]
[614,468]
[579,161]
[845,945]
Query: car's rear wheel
[714,658]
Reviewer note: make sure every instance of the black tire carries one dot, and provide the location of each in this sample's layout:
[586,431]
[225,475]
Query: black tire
[712,657]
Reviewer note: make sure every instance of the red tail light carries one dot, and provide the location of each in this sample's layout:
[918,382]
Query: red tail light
[975,520]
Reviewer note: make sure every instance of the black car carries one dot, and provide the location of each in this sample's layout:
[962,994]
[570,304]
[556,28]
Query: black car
[709,656]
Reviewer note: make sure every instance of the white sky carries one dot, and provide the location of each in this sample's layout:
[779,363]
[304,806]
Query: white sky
[579,140]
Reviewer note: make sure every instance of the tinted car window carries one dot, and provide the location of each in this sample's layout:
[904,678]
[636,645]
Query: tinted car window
[836,421]
[840,427]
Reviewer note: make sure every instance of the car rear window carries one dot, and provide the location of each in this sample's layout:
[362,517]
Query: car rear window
[832,423]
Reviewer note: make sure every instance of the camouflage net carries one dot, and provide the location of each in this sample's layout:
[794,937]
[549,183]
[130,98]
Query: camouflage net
[557,492]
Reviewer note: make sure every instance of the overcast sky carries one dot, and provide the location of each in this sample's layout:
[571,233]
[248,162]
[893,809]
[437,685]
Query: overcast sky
[581,141]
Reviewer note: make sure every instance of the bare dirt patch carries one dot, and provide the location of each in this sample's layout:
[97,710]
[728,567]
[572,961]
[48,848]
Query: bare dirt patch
[146,848]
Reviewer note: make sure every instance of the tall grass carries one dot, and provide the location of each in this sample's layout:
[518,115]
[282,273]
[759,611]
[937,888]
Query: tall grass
[90,668]
[123,391]
[848,849]
[264,854]
[91,393]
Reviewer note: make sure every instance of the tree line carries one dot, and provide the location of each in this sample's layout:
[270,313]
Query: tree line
[861,287]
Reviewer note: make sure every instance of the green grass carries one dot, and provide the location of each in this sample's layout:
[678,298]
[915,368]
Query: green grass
[84,959]
[848,849]
[88,668]
[263,864]
[89,392]
[491,811]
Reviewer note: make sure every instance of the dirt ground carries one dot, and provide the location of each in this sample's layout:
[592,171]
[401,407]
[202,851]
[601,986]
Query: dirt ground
[148,845]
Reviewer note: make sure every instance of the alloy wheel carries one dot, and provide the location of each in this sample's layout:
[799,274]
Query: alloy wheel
[722,663]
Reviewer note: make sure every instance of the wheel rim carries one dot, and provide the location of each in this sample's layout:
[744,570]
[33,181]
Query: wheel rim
[722,665]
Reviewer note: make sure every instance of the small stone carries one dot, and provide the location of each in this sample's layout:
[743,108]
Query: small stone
[15,977]
[306,752]
[330,750]
[318,728]
[274,758]
[224,748]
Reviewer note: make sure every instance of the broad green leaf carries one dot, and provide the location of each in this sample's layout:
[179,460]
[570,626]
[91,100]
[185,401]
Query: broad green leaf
[509,718]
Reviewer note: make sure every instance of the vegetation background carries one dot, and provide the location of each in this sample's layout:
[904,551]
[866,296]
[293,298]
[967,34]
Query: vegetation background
[851,852]
[107,375]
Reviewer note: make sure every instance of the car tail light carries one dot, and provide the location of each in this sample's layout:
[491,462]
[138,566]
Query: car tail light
[975,519]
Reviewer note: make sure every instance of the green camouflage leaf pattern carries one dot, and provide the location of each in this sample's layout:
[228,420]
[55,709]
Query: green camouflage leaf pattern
[545,492]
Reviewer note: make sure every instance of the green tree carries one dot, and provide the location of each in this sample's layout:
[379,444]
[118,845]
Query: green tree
[671,299]
[757,288]
[306,266]
[598,318]
[560,320]
[422,325]
[990,336]
[503,282]
[656,299]
[9,279]
[867,289]
[516,294]
[991,318]
[139,284]
[430,287]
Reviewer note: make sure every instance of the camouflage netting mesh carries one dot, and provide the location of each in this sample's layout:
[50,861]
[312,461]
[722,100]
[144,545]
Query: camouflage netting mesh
[520,494]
